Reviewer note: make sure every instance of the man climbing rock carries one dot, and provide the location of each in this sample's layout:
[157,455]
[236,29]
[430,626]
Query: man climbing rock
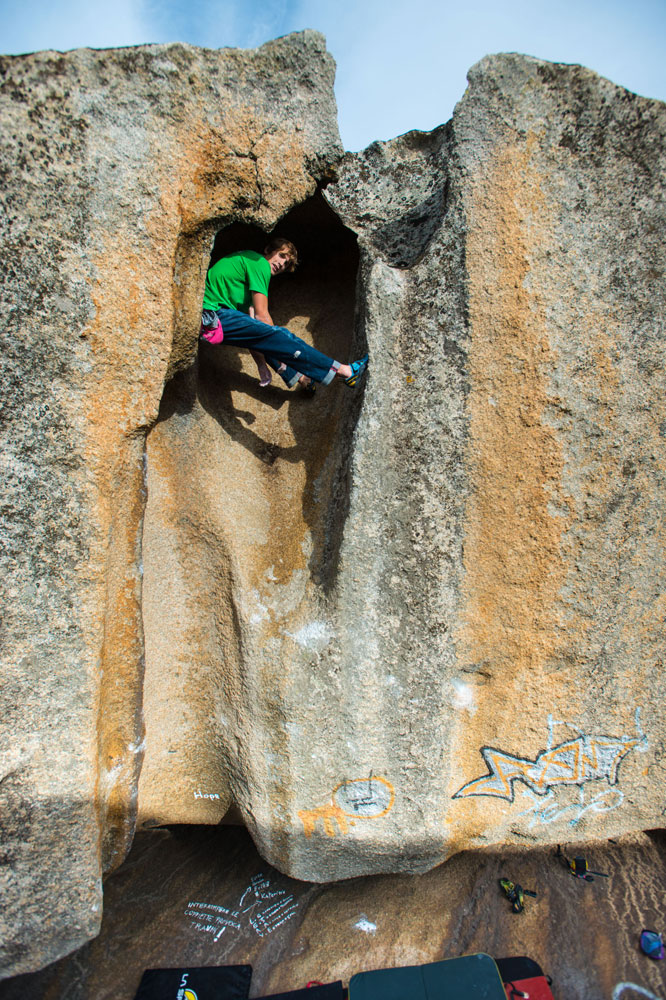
[235,311]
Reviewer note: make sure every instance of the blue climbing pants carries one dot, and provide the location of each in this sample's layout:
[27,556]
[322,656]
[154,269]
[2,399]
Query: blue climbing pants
[277,344]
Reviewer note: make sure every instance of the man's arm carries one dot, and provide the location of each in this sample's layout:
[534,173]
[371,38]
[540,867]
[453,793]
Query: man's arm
[260,306]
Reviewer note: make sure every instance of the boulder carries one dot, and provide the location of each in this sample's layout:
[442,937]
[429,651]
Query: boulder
[118,168]
[503,552]
[426,617]
[379,626]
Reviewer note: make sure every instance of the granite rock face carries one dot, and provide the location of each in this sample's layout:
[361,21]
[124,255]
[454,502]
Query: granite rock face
[379,627]
[504,545]
[118,168]
[505,539]
[427,617]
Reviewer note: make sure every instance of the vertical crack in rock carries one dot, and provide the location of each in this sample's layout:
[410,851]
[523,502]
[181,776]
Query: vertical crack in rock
[402,552]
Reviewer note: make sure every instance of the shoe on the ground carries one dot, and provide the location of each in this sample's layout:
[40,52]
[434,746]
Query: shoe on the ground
[359,369]
[308,389]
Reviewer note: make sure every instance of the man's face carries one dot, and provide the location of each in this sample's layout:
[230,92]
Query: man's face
[279,261]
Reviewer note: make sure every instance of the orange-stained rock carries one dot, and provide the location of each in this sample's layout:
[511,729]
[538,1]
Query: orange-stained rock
[379,626]
[118,168]
[504,547]
[383,626]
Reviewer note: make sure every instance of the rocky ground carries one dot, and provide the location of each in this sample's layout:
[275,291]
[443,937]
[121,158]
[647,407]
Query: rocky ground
[203,896]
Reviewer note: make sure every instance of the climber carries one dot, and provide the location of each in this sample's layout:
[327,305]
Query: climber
[235,310]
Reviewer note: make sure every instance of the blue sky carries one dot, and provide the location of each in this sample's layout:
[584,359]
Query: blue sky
[401,63]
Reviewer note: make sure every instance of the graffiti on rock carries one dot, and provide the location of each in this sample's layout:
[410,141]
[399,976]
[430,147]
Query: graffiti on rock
[634,987]
[369,798]
[574,762]
[260,908]
[550,809]
[352,799]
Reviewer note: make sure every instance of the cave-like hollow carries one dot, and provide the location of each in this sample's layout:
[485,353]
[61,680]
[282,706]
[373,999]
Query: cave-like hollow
[246,501]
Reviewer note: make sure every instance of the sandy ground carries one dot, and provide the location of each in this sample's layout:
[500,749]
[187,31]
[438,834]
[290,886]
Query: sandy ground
[189,896]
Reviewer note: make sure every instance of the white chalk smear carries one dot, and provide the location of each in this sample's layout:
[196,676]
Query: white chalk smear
[621,987]
[314,635]
[109,778]
[464,697]
[262,611]
[365,925]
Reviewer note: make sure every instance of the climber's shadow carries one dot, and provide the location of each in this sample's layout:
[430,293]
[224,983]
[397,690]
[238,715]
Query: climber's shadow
[219,378]
[276,424]
[216,382]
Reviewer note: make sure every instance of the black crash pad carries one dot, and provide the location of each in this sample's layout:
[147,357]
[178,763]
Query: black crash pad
[229,981]
[472,977]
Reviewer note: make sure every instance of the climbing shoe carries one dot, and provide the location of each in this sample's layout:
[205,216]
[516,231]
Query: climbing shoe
[359,369]
[652,944]
[515,894]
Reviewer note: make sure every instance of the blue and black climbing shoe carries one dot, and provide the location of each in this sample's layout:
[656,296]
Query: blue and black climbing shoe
[652,944]
[359,369]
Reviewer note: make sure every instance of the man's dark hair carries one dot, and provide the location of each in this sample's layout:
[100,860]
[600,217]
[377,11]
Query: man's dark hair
[277,243]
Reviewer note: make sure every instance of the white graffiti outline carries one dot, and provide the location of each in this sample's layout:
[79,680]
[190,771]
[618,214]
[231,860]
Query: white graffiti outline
[548,810]
[621,987]
[573,762]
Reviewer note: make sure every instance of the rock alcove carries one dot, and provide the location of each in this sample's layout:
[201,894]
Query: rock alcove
[247,495]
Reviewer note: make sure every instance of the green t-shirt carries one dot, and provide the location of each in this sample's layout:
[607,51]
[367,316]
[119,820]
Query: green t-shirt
[230,282]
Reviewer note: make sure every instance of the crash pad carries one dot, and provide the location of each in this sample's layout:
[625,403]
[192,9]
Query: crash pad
[229,981]
[472,977]
[523,976]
